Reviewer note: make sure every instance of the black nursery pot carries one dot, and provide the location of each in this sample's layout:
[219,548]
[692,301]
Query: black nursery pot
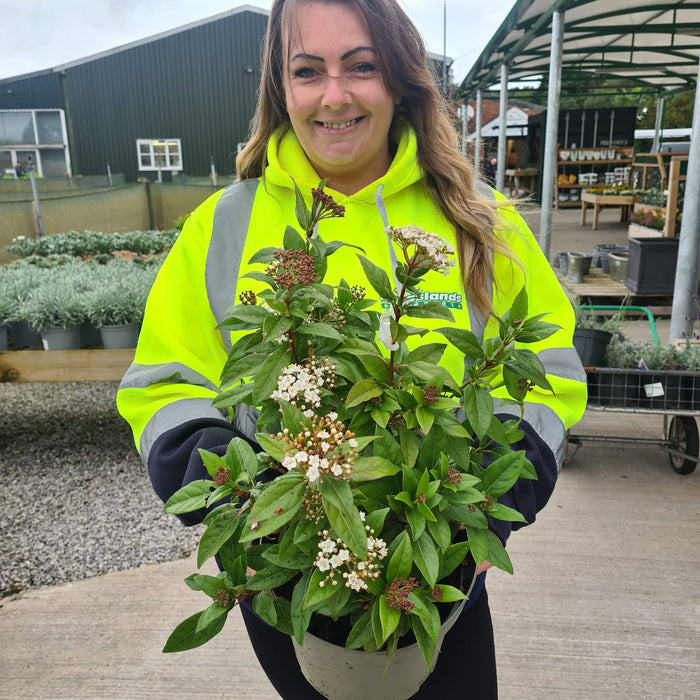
[591,345]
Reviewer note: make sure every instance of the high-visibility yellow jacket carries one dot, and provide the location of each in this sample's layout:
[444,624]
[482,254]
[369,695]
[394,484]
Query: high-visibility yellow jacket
[166,395]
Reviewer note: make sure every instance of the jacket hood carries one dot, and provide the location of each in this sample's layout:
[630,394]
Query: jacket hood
[287,163]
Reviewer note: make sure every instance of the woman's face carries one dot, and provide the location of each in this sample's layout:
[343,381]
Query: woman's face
[336,100]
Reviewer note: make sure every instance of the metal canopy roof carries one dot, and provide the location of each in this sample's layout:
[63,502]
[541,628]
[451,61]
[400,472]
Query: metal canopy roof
[652,44]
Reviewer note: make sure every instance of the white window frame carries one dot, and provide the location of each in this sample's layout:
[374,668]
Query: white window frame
[151,152]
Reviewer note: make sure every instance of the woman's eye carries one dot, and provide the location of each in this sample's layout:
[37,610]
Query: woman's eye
[304,73]
[364,68]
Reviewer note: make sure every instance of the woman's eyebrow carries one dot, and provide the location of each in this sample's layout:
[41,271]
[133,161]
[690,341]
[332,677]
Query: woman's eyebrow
[347,54]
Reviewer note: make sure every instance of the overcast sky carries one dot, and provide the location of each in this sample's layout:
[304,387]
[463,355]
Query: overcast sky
[39,34]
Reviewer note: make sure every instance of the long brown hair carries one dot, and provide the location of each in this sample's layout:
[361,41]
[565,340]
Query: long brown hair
[450,177]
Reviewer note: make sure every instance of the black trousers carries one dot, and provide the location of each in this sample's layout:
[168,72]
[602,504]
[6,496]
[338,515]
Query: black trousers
[466,667]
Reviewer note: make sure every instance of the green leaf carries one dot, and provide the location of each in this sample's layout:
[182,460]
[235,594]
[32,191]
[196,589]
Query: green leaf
[269,577]
[343,516]
[429,352]
[234,396]
[301,212]
[501,512]
[454,555]
[497,554]
[264,255]
[185,636]
[215,536]
[425,419]
[316,594]
[292,239]
[440,530]
[433,309]
[401,561]
[479,544]
[362,391]
[410,446]
[425,641]
[319,329]
[361,632]
[210,615]
[389,617]
[275,506]
[378,278]
[525,363]
[502,473]
[371,468]
[188,498]
[465,341]
[427,558]
[272,446]
[267,376]
[301,617]
[450,594]
[416,522]
[478,407]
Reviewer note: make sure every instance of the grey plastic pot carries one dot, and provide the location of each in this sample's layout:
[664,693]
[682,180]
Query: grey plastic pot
[120,337]
[59,338]
[346,674]
[3,338]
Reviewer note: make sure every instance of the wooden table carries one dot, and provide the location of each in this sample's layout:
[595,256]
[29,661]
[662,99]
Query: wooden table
[514,175]
[624,201]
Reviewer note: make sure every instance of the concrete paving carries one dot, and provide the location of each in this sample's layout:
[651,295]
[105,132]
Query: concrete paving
[603,603]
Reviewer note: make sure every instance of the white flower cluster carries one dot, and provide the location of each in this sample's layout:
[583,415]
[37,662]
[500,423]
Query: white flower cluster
[326,448]
[434,249]
[302,385]
[335,555]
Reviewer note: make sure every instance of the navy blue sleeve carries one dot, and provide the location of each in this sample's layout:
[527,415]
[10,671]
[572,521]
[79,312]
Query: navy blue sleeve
[528,496]
[174,460]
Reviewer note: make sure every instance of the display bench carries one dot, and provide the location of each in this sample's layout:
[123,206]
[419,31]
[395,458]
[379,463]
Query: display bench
[599,288]
[600,201]
[64,365]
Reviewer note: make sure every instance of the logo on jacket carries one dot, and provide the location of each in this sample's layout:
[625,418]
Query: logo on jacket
[452,300]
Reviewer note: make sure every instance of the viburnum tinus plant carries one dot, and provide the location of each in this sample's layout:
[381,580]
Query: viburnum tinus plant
[379,470]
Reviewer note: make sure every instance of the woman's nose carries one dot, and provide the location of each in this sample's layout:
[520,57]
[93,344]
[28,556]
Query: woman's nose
[335,92]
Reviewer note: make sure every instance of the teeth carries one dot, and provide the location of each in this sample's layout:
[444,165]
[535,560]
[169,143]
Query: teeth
[339,125]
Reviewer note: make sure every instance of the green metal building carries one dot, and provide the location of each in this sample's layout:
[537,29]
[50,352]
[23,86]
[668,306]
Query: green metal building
[165,104]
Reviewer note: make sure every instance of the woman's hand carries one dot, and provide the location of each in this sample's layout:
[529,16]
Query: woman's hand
[483,566]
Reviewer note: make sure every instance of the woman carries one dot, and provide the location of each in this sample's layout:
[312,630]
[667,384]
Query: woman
[360,108]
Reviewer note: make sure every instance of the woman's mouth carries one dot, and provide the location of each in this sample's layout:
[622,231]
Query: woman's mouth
[337,126]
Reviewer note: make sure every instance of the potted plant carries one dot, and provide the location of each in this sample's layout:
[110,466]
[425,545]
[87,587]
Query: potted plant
[56,308]
[8,307]
[593,332]
[117,303]
[375,487]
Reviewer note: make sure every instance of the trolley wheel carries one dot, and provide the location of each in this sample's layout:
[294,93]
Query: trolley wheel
[683,436]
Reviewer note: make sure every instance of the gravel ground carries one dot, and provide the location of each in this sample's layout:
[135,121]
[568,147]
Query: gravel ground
[75,500]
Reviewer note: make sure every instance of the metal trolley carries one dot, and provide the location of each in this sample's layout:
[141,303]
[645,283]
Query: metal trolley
[673,394]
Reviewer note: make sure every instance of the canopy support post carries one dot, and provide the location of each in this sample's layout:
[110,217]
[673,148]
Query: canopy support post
[502,131]
[687,266]
[477,137]
[658,124]
[551,130]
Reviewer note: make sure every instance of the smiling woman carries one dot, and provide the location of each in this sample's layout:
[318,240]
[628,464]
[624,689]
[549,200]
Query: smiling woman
[347,98]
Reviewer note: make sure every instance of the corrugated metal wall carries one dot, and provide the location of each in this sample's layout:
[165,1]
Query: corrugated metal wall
[40,91]
[195,85]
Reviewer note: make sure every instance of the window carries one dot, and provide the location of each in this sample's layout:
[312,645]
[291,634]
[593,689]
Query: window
[39,134]
[159,154]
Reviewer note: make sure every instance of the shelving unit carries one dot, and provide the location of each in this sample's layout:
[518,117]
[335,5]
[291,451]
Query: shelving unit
[589,167]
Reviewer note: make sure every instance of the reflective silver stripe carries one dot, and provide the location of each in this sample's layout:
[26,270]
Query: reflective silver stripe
[563,362]
[245,419]
[229,231]
[545,422]
[173,415]
[142,376]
